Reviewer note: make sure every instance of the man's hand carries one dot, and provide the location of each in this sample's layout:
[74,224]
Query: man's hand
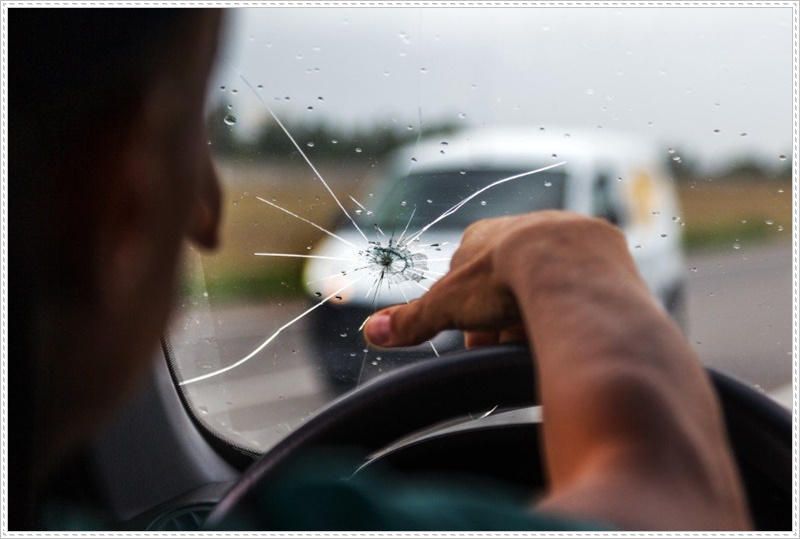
[478,297]
[633,434]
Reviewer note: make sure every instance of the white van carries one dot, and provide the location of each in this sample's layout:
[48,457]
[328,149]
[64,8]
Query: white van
[430,191]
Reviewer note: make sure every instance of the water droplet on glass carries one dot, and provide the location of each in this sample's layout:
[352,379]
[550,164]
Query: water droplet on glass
[234,91]
[359,211]
[737,246]
[483,203]
[260,87]
[637,247]
[334,141]
[780,190]
[742,134]
[548,184]
[429,201]
[780,228]
[716,131]
[203,410]
[375,363]
[310,144]
[229,120]
[358,150]
[462,115]
[782,157]
[414,159]
[343,335]
[589,91]
[423,70]
[554,156]
[671,150]
[318,294]
[222,88]
[403,203]
[386,73]
[769,222]
[663,235]
[462,172]
[694,269]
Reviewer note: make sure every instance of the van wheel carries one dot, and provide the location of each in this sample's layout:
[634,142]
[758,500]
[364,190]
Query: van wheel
[675,302]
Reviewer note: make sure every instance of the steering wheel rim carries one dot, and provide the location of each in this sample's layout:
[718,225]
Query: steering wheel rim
[420,395]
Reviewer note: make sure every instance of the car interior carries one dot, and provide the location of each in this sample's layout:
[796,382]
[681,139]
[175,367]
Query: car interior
[300,132]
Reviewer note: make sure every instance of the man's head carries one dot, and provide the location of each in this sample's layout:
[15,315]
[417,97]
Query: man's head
[109,171]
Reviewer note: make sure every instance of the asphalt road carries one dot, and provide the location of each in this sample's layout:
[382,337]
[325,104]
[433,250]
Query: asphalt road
[739,319]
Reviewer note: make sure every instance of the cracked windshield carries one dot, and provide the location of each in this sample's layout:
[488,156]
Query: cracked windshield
[355,145]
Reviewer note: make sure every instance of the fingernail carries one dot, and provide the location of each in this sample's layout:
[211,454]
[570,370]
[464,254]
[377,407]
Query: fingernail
[379,330]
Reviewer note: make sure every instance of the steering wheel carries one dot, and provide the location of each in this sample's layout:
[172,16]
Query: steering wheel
[454,385]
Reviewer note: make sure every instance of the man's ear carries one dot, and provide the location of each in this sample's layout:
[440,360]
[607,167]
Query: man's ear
[124,247]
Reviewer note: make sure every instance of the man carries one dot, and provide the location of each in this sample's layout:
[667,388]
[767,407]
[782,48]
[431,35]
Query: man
[109,172]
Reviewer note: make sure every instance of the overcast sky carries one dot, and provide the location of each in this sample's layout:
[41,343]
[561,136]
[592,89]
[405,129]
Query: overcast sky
[713,82]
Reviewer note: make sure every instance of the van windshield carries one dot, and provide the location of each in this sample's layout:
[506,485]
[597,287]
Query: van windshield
[419,199]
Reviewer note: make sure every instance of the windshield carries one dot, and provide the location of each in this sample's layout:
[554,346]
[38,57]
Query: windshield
[421,198]
[355,145]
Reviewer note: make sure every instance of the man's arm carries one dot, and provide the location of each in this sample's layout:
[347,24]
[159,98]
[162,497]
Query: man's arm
[632,434]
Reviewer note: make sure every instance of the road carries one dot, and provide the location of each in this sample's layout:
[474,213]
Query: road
[739,320]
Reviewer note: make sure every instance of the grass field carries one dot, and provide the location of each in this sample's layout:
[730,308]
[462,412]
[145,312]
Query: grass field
[716,213]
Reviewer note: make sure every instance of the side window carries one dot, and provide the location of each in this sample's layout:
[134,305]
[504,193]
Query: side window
[604,201]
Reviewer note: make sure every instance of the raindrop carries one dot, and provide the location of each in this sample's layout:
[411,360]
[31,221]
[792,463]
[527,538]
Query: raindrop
[780,190]
[716,131]
[589,91]
[462,172]
[462,115]
[320,98]
[782,157]
[444,143]
[743,134]
[229,120]
[769,222]
[359,211]
[483,203]
[694,269]
[318,294]
[414,159]
[385,73]
[737,246]
[744,221]
[403,203]
[309,108]
[343,335]
[637,247]
[260,87]
[656,213]
[338,297]
[429,201]
[334,141]
[423,70]
[358,150]
[554,156]
[663,235]
[203,410]
[671,150]
[375,363]
[409,128]
[234,91]
[222,88]
[310,144]
[780,228]
[548,184]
